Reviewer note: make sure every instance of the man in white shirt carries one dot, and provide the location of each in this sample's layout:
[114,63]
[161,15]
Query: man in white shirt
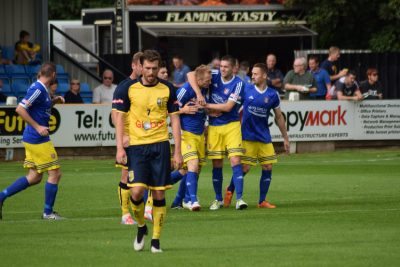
[104,92]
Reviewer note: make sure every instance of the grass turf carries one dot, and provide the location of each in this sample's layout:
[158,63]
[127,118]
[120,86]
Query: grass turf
[334,209]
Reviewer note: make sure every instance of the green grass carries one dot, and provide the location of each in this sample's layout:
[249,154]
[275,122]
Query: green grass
[334,209]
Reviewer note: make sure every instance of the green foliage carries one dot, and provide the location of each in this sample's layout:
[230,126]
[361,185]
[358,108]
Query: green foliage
[71,9]
[334,209]
[354,24]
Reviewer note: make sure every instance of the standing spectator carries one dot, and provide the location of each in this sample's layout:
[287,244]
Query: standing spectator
[244,68]
[330,66]
[73,95]
[298,81]
[371,88]
[104,92]
[321,77]
[40,155]
[25,51]
[346,88]
[163,72]
[275,76]
[180,71]
[215,63]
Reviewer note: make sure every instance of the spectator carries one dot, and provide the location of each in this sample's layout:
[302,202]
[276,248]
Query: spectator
[180,72]
[298,82]
[25,51]
[3,97]
[244,68]
[346,88]
[53,88]
[104,92]
[275,76]
[321,77]
[236,67]
[163,72]
[215,63]
[73,95]
[330,64]
[371,88]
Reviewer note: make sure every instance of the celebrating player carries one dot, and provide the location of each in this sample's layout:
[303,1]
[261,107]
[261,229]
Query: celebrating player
[40,155]
[258,100]
[148,101]
[224,130]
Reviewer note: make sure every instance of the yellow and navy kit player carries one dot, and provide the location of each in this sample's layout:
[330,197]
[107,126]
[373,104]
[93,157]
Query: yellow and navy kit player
[148,115]
[193,146]
[123,189]
[40,155]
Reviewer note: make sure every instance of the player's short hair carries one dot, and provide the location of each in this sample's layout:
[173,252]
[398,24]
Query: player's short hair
[371,71]
[136,57]
[230,59]
[201,70]
[333,50]
[351,72]
[315,58]
[47,69]
[261,66]
[151,56]
[244,65]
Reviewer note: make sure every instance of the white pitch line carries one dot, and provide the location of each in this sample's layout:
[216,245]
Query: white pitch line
[209,214]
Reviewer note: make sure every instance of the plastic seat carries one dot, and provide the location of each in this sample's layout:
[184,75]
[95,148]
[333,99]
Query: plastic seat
[24,80]
[86,92]
[7,90]
[8,52]
[62,88]
[19,89]
[15,70]
[60,69]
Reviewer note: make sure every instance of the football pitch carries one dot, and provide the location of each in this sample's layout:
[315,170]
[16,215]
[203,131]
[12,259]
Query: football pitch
[333,209]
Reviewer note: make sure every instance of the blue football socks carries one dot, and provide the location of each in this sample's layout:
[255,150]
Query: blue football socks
[191,183]
[238,180]
[19,185]
[217,179]
[176,176]
[49,197]
[265,181]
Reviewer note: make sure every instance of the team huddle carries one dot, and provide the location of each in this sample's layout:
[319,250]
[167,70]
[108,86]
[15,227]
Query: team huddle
[141,105]
[140,108]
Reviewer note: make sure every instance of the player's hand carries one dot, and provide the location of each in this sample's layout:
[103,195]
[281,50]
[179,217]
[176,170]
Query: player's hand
[286,145]
[343,72]
[178,161]
[42,130]
[201,100]
[58,100]
[125,141]
[189,108]
[121,156]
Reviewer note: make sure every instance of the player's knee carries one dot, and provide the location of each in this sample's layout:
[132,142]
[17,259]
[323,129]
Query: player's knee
[245,168]
[235,160]
[34,178]
[267,167]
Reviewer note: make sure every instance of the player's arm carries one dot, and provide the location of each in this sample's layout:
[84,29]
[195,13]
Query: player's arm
[176,132]
[280,121]
[191,77]
[119,121]
[57,100]
[225,107]
[42,130]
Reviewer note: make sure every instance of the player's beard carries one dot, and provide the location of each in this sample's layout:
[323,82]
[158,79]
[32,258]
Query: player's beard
[150,79]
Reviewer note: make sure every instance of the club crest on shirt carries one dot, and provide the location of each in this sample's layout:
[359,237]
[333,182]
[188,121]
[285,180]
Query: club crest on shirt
[226,91]
[53,156]
[266,100]
[162,101]
[251,97]
[131,176]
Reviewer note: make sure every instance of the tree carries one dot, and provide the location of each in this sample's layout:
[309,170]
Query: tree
[354,24]
[71,9]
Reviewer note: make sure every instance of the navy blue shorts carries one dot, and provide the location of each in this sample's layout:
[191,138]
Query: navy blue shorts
[150,166]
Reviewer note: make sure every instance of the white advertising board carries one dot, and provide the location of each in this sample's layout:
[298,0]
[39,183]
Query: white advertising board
[90,125]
